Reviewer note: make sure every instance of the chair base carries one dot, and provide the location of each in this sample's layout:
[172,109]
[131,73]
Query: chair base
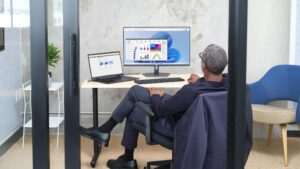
[165,164]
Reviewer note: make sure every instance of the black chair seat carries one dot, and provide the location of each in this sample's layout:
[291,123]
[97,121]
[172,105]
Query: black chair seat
[164,141]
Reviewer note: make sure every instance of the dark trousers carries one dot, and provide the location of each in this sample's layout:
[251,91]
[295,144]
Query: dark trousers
[126,109]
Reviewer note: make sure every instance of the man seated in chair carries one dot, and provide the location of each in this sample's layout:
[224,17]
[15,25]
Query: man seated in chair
[168,109]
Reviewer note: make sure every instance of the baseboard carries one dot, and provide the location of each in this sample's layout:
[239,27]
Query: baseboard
[293,133]
[11,141]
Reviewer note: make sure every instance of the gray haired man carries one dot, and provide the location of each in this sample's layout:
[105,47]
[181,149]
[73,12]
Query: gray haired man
[167,108]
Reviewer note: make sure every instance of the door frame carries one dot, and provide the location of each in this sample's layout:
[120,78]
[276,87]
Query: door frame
[39,82]
[71,80]
[237,52]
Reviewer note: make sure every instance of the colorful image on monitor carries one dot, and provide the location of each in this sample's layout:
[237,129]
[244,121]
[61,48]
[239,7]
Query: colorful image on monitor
[178,45]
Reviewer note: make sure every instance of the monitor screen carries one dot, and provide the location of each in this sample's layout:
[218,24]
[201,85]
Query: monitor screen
[175,52]
[105,64]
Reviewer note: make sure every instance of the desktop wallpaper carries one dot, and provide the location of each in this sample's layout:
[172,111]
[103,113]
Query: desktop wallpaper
[178,44]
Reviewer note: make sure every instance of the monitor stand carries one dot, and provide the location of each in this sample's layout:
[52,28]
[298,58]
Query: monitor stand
[156,73]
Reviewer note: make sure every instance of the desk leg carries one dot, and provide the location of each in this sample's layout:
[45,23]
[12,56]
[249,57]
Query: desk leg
[97,147]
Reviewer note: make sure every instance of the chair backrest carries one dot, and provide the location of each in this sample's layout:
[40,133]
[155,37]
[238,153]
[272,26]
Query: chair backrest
[279,83]
[201,133]
[215,104]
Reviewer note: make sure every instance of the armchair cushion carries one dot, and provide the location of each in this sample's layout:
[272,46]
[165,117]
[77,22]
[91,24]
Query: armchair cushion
[262,114]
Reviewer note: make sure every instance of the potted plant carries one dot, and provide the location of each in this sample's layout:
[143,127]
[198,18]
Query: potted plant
[53,58]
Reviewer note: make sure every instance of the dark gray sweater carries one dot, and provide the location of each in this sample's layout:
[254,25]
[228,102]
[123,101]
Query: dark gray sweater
[175,106]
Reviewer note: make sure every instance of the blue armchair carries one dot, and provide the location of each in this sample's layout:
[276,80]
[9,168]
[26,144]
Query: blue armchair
[279,83]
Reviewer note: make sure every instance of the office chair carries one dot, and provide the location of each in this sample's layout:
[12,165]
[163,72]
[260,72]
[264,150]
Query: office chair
[153,137]
[203,141]
[279,83]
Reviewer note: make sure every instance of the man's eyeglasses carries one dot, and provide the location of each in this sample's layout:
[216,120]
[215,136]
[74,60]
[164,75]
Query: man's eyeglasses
[201,57]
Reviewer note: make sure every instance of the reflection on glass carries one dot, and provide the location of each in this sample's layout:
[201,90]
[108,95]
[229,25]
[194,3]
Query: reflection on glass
[14,13]
[5,13]
[57,13]
[20,11]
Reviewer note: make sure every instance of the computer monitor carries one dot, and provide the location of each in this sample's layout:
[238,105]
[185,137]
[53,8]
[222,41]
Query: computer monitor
[172,44]
[105,65]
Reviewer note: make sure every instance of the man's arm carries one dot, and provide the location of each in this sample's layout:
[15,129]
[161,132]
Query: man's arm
[177,103]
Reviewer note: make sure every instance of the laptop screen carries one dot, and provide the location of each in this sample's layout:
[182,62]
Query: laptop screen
[105,64]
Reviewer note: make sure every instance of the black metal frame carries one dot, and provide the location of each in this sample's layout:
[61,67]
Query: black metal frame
[237,83]
[71,80]
[2,39]
[39,81]
[97,147]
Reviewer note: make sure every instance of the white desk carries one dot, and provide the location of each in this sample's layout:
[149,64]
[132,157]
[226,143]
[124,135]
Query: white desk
[123,85]
[129,84]
[54,122]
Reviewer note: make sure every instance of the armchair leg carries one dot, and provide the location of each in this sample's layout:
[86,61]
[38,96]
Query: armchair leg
[284,141]
[270,134]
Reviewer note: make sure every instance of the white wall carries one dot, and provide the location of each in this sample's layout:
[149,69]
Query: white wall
[268,36]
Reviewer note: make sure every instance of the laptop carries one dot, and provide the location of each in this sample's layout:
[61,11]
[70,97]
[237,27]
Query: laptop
[107,68]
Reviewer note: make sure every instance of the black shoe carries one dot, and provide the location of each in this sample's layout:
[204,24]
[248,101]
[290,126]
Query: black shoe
[120,163]
[96,135]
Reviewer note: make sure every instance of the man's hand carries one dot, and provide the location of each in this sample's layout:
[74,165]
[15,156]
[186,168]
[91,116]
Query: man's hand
[193,78]
[158,91]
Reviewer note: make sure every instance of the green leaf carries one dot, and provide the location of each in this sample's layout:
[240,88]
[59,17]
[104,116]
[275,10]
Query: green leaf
[53,55]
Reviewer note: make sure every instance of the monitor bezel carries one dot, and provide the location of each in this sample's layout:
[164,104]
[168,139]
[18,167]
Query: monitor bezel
[158,64]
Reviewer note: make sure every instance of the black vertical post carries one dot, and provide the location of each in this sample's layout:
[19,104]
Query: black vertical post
[39,80]
[237,83]
[71,79]
[97,147]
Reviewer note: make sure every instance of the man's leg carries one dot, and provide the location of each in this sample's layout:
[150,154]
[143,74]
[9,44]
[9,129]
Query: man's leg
[102,134]
[135,94]
[130,138]
[130,134]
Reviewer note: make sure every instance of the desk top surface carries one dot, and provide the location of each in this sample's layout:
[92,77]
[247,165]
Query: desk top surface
[129,84]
